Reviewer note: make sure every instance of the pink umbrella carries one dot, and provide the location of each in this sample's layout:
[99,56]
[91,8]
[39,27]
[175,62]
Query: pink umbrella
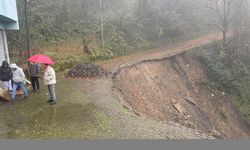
[39,58]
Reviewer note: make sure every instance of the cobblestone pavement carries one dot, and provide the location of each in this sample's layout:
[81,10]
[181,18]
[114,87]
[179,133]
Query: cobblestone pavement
[86,109]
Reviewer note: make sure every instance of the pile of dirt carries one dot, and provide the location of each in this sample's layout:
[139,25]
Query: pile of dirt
[87,71]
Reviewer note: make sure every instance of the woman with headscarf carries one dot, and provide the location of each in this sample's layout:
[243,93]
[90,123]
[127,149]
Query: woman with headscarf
[6,75]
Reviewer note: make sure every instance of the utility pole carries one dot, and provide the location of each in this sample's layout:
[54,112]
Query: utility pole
[102,39]
[27,29]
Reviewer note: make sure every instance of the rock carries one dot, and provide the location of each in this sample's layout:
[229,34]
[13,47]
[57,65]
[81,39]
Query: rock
[187,93]
[190,99]
[179,108]
[216,134]
[187,117]
[124,65]
[16,131]
[173,100]
[87,70]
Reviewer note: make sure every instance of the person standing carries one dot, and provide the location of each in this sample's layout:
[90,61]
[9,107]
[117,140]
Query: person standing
[49,78]
[34,71]
[6,75]
[18,81]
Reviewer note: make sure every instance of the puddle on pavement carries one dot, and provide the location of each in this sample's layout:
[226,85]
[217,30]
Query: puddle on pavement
[54,122]
[67,120]
[73,117]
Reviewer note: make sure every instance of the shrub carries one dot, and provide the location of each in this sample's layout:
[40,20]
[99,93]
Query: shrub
[65,61]
[233,77]
[101,54]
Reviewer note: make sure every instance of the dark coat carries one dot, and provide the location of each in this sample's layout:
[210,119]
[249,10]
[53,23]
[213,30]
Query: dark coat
[5,72]
[34,70]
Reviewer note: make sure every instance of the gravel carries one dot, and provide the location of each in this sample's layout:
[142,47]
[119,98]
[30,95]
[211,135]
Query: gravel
[87,71]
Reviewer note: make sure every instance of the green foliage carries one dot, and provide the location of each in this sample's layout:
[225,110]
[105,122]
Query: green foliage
[222,76]
[123,43]
[129,25]
[101,54]
[65,61]
[231,76]
[217,70]
[245,109]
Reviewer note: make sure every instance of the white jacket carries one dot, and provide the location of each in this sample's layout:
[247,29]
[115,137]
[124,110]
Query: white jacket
[18,75]
[49,76]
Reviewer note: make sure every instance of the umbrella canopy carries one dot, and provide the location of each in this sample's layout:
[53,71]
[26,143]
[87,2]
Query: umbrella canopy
[39,58]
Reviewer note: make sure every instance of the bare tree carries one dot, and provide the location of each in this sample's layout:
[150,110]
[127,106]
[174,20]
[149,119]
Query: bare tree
[27,28]
[225,12]
[101,17]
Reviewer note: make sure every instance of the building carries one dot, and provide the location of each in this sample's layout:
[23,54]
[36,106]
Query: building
[8,21]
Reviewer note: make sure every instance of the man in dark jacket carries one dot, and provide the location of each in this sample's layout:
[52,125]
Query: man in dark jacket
[34,71]
[6,75]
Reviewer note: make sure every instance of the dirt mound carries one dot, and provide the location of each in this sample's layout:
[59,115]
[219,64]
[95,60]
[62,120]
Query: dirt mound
[87,71]
[171,89]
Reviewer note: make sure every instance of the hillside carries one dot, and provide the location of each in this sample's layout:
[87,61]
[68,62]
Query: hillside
[171,89]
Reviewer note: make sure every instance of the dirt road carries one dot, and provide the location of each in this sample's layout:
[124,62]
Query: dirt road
[113,64]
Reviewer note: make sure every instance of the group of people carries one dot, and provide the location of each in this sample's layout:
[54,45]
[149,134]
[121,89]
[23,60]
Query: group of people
[13,77]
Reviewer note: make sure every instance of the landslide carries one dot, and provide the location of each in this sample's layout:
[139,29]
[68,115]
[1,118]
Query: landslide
[171,89]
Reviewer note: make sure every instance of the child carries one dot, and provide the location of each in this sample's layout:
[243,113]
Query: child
[50,80]
[18,81]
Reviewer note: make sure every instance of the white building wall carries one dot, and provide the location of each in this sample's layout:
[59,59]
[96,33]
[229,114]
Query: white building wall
[4,54]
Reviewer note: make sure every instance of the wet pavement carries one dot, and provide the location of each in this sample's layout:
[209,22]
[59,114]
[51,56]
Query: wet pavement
[86,109]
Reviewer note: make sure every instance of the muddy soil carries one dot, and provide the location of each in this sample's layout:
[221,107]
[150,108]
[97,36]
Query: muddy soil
[171,89]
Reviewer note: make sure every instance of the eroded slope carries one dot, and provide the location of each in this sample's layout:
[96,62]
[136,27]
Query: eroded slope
[171,89]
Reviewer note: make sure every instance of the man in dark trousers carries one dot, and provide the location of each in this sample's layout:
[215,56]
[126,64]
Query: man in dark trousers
[34,71]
